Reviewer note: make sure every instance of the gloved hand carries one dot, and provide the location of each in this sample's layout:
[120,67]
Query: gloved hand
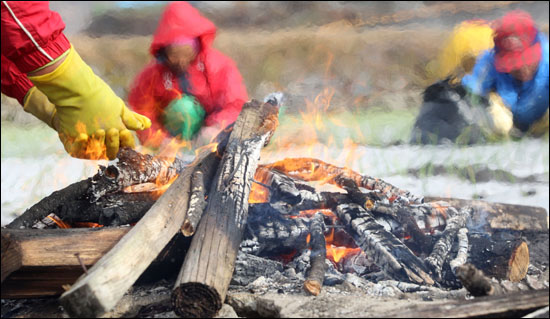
[92,122]
[183,117]
[38,105]
[501,116]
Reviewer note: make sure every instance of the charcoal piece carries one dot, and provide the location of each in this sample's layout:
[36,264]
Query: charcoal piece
[249,267]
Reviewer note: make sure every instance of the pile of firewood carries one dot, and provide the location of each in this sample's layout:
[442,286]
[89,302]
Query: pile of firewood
[414,241]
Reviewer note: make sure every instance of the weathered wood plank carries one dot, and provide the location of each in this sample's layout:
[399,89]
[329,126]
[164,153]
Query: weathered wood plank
[512,305]
[56,247]
[206,273]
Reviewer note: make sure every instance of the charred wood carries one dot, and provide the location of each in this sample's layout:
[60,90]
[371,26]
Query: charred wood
[50,204]
[249,267]
[475,281]
[390,254]
[134,168]
[462,254]
[487,216]
[444,244]
[201,183]
[503,255]
[270,233]
[316,273]
[311,169]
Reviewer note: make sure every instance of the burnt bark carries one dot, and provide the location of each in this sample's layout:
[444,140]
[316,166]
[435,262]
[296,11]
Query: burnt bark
[444,244]
[503,255]
[316,273]
[390,254]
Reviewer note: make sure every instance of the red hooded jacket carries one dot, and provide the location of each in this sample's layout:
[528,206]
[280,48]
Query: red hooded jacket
[32,36]
[213,77]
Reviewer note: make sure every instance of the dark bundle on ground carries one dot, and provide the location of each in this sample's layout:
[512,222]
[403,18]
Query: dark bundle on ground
[446,115]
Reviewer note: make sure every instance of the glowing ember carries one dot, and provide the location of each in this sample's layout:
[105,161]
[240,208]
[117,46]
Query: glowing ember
[86,225]
[58,222]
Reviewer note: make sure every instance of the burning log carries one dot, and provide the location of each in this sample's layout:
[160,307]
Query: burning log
[270,233]
[291,195]
[206,273]
[316,274]
[50,204]
[390,254]
[444,244]
[311,169]
[135,168]
[98,197]
[108,280]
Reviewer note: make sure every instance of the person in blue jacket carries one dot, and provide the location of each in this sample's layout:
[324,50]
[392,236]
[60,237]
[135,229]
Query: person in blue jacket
[513,76]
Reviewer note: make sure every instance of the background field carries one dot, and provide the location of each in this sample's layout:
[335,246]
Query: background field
[353,74]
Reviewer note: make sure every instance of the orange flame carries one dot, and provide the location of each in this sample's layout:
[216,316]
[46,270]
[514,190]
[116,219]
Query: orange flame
[168,152]
[335,254]
[258,192]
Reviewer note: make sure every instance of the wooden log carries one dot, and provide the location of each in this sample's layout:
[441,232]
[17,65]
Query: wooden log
[444,244]
[390,254]
[201,181]
[132,168]
[204,278]
[270,233]
[489,215]
[56,258]
[108,280]
[113,209]
[463,248]
[316,273]
[50,204]
[502,255]
[33,248]
[311,169]
[475,281]
[249,267]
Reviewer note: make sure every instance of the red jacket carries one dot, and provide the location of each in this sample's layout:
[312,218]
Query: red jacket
[213,77]
[32,36]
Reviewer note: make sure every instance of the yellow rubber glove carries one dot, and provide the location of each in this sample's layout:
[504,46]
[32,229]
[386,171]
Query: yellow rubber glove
[38,105]
[91,120]
[502,117]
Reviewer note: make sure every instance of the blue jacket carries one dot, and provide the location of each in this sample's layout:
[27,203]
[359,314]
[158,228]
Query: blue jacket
[528,101]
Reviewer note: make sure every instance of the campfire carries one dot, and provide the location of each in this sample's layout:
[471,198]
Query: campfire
[299,225]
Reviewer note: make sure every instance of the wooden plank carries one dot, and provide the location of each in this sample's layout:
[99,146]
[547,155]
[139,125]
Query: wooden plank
[56,247]
[512,305]
[500,215]
[107,281]
[206,273]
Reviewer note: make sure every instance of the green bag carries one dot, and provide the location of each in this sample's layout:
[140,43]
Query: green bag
[183,117]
